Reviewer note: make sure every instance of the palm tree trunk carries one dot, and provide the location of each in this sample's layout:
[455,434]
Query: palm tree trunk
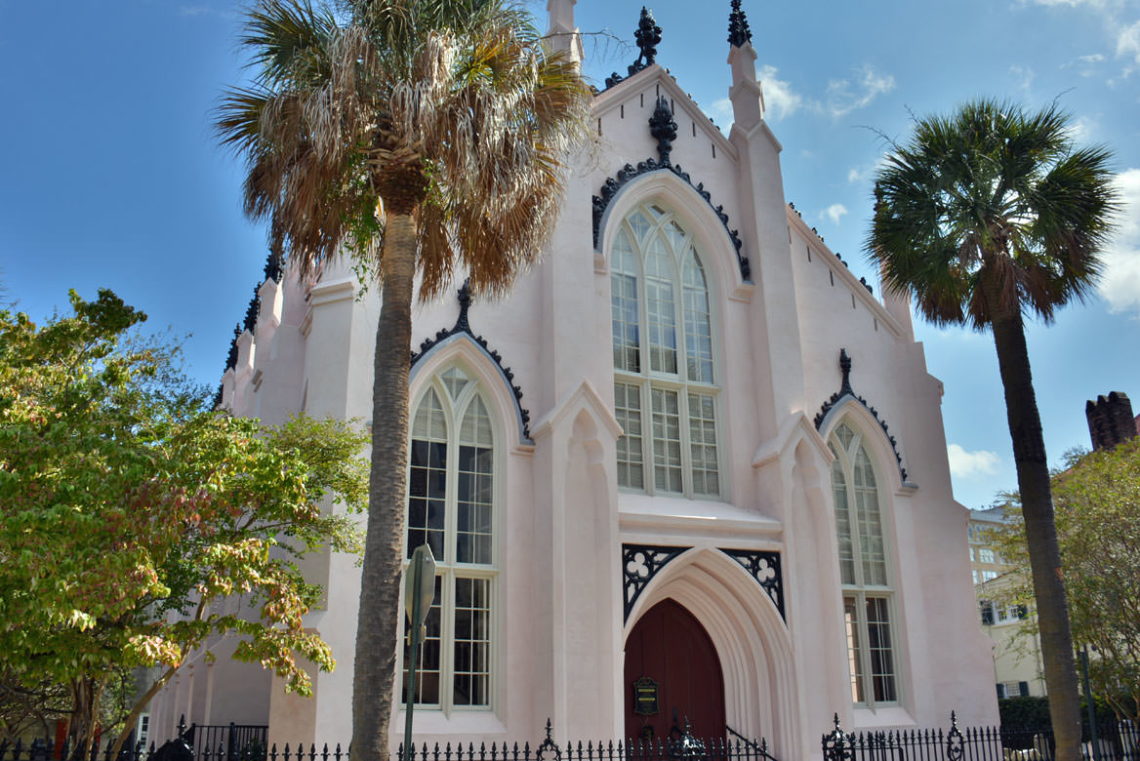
[1040,534]
[378,622]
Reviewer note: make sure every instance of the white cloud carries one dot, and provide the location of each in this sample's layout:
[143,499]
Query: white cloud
[205,10]
[1069,3]
[721,110]
[1023,76]
[965,464]
[1082,129]
[1128,42]
[1120,284]
[834,212]
[779,99]
[866,171]
[845,95]
[1086,65]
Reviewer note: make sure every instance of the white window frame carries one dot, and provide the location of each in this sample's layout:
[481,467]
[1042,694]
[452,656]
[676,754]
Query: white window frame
[447,568]
[648,380]
[860,591]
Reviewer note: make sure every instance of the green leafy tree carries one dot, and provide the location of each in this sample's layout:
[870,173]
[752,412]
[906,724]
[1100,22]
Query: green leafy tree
[1097,499]
[129,510]
[983,216]
[424,137]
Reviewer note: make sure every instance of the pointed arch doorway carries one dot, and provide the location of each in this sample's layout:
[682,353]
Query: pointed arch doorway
[669,646]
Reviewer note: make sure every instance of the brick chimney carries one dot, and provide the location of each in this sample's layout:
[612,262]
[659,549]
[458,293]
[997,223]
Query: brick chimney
[1110,420]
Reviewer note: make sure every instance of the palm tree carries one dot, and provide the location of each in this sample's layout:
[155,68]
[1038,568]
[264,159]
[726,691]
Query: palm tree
[983,216]
[423,137]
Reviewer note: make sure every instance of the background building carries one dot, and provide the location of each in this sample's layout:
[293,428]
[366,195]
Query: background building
[1018,669]
[1017,665]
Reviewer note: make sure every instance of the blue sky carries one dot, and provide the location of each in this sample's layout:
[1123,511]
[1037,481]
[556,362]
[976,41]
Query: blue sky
[110,175]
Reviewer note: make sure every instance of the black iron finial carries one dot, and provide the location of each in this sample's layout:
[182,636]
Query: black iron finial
[251,312]
[843,393]
[845,367]
[548,745]
[664,129]
[464,296]
[232,357]
[955,743]
[837,744]
[273,264]
[685,747]
[738,30]
[835,720]
[648,36]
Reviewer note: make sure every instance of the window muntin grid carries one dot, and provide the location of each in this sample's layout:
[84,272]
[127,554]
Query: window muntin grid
[702,442]
[472,664]
[698,321]
[660,308]
[627,409]
[854,649]
[868,597]
[666,441]
[667,407]
[431,649]
[427,477]
[623,298]
[451,505]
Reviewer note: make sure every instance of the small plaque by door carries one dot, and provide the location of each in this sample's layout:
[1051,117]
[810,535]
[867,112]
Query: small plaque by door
[645,701]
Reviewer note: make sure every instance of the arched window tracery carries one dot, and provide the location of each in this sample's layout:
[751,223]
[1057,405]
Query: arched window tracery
[451,507]
[864,570]
[667,406]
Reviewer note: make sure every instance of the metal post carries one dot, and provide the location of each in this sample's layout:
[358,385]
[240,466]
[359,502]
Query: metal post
[416,569]
[1089,706]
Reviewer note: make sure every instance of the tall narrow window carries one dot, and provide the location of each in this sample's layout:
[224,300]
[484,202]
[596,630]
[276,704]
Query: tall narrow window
[863,571]
[664,381]
[451,507]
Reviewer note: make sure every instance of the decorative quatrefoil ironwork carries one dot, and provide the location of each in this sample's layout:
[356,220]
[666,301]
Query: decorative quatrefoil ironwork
[765,568]
[639,564]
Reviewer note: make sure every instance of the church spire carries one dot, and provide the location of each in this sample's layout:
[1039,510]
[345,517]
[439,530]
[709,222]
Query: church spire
[746,94]
[738,30]
[562,34]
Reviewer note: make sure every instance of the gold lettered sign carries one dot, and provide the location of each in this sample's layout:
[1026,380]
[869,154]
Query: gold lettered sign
[645,697]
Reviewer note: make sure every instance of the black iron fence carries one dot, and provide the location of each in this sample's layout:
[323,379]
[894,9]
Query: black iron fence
[233,742]
[199,742]
[1115,741]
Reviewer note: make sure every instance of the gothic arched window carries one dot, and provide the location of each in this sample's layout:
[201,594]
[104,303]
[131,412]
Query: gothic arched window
[451,507]
[664,380]
[864,572]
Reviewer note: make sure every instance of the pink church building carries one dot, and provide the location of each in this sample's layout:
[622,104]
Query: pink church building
[691,465]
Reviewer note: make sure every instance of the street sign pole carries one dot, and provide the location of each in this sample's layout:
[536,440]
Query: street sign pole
[419,592]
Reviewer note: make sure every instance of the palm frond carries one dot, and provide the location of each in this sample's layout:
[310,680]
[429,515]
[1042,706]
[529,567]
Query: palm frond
[452,110]
[990,212]
[289,41]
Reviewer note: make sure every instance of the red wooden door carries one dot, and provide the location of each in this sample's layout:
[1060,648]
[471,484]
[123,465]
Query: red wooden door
[670,646]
